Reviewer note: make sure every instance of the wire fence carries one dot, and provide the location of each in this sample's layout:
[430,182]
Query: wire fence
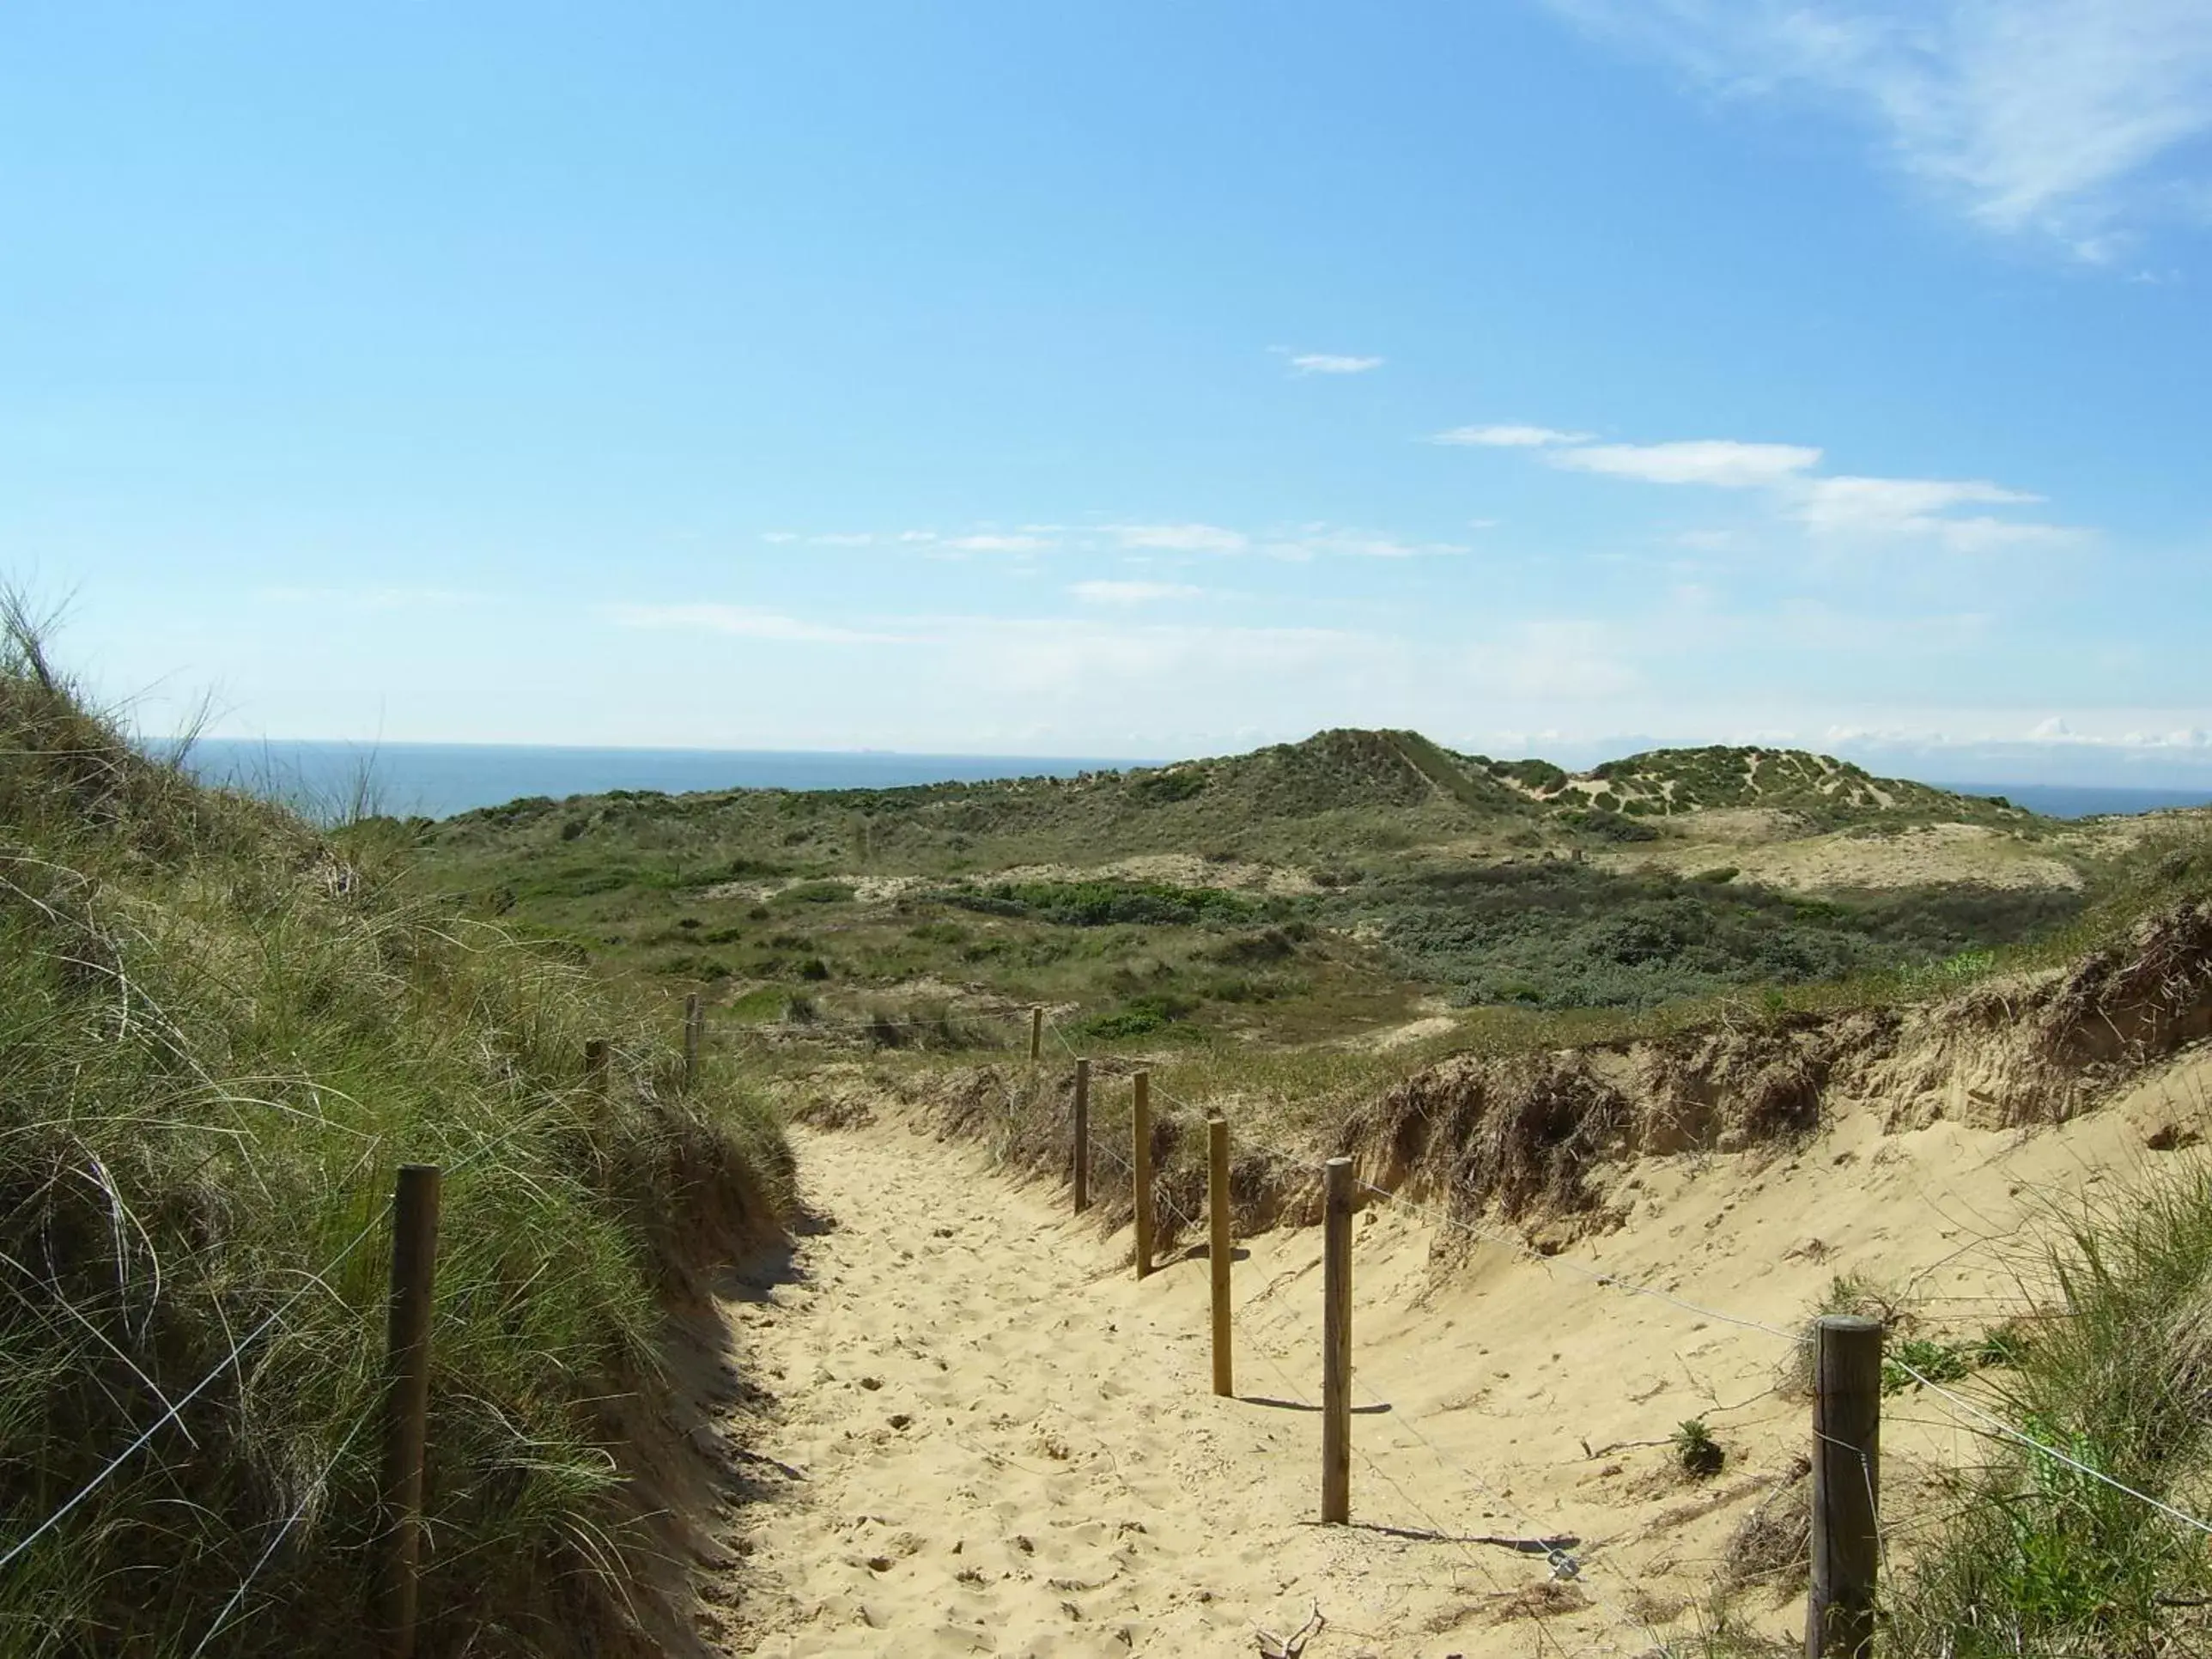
[233,1357]
[1976,1416]
[1566,1561]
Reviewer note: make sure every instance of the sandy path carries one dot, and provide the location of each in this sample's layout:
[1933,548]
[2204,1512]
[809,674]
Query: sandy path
[1001,1443]
[1008,1448]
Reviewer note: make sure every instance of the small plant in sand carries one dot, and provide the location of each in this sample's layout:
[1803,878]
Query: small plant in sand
[1696,1451]
[1919,1360]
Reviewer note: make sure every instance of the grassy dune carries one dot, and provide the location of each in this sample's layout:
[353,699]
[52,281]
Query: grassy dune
[1305,892]
[224,1032]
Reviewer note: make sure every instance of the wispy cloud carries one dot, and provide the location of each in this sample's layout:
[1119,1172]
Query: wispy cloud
[1328,362]
[1720,462]
[1323,541]
[1911,507]
[2041,115]
[1844,507]
[1509,437]
[1133,592]
[992,542]
[743,622]
[1182,537]
[983,541]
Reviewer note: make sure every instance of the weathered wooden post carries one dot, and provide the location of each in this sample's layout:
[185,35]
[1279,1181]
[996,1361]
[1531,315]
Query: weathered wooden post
[1036,1034]
[1218,1247]
[1336,1345]
[595,1065]
[407,1405]
[1082,1175]
[1846,1487]
[1140,1168]
[694,1022]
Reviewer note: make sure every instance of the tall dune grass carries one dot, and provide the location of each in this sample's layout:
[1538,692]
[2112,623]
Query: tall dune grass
[220,1031]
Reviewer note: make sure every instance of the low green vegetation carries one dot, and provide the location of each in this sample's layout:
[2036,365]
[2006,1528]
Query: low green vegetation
[224,1031]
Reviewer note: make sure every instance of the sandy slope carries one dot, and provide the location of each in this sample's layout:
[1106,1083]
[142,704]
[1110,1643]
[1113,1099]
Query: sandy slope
[1003,1444]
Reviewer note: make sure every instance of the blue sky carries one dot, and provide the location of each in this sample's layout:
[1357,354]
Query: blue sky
[1551,375]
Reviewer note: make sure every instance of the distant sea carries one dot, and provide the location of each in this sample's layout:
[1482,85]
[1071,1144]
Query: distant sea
[2083,800]
[436,780]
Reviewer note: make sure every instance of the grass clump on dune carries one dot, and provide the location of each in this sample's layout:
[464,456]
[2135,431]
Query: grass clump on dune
[2115,1374]
[223,1032]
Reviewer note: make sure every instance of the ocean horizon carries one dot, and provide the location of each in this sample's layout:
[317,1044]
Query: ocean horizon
[326,778]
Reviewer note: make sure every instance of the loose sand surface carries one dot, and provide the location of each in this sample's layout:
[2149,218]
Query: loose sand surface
[997,1442]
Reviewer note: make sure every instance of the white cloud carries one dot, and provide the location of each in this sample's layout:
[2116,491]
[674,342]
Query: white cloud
[743,622]
[1323,541]
[1509,437]
[989,543]
[2032,114]
[1330,362]
[1183,537]
[1847,503]
[1720,462]
[1842,507]
[1123,592]
[780,536]
[1915,506]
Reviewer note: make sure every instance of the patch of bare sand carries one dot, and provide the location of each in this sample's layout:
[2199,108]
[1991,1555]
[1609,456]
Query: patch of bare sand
[1006,1445]
[1176,870]
[1935,854]
[1391,1038]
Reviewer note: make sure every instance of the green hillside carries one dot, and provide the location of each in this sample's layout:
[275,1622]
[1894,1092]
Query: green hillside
[1300,890]
[1338,792]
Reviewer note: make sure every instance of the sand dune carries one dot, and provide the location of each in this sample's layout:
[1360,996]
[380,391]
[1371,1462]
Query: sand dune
[1006,1445]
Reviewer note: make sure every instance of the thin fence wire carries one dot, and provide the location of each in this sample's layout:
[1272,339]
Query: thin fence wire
[222,1619]
[1990,1421]
[1563,1565]
[317,1280]
[1998,1425]
[1442,1533]
[174,1409]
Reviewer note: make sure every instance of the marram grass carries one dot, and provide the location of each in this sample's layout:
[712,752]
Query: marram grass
[220,1034]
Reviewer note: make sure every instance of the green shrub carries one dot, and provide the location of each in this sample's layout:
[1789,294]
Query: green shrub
[1936,1362]
[1140,1016]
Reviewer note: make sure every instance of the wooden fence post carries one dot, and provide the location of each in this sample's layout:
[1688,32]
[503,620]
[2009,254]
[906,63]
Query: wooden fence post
[1336,1345]
[1140,1168]
[595,1065]
[1218,1247]
[1036,1034]
[1082,1178]
[407,1403]
[694,1022]
[1846,1487]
